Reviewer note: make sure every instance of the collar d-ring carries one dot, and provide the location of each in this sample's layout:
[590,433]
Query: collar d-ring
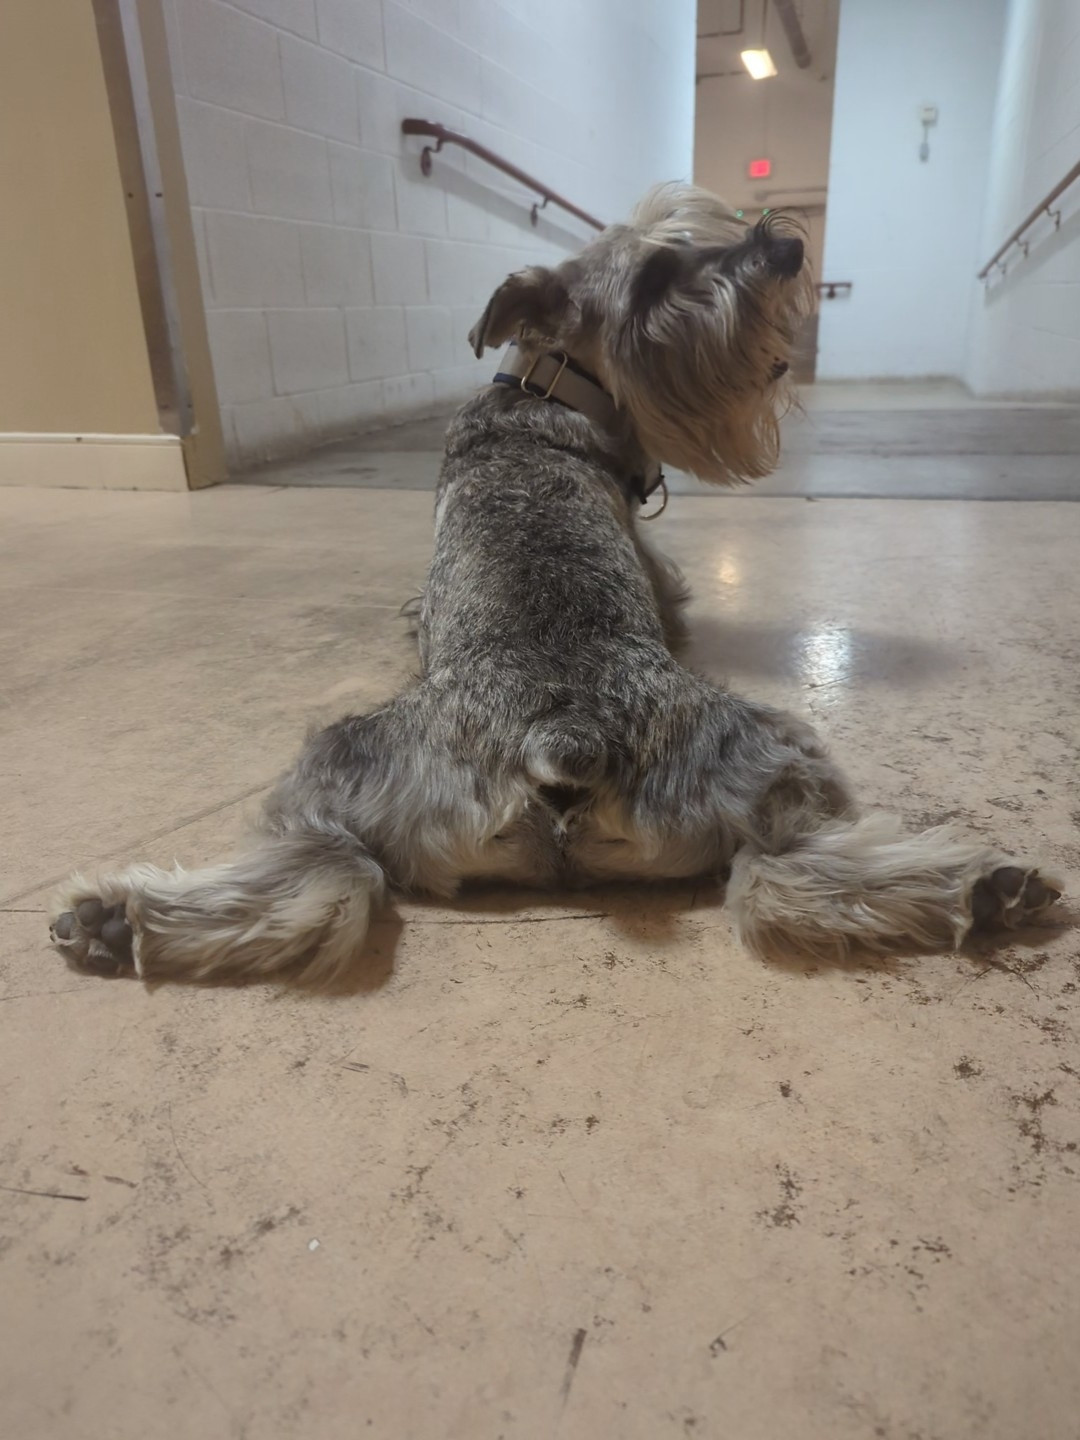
[655,515]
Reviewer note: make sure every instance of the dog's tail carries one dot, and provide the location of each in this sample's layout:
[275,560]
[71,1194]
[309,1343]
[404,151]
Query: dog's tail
[866,884]
[297,906]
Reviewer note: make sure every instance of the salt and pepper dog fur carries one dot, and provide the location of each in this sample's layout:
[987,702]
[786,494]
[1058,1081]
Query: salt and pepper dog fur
[554,739]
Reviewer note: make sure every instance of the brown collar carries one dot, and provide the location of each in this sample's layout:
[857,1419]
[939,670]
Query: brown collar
[557,376]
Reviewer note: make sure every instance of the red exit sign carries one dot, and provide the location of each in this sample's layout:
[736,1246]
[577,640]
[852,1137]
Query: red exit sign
[759,169]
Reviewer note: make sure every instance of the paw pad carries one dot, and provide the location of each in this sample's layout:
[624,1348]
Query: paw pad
[95,937]
[1011,896]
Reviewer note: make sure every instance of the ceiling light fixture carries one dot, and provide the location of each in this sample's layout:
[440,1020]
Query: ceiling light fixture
[759,63]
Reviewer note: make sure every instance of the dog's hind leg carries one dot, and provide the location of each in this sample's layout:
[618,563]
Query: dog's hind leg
[867,885]
[296,904]
[813,878]
[375,800]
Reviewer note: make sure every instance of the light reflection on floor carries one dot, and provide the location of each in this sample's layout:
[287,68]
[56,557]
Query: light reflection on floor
[825,656]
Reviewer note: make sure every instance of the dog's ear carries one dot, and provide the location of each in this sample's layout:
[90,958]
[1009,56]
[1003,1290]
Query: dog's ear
[669,267]
[665,265]
[530,304]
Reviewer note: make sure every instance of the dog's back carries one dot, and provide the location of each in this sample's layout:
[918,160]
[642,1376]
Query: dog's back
[536,558]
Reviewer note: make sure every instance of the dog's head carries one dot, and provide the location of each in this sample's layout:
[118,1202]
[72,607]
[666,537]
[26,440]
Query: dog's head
[686,315]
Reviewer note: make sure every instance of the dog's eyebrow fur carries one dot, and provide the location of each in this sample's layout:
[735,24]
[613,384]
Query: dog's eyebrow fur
[554,738]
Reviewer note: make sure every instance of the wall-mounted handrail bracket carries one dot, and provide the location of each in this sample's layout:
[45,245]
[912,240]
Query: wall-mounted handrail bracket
[426,157]
[443,135]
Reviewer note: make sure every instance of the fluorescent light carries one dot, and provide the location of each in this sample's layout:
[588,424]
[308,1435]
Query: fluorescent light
[759,63]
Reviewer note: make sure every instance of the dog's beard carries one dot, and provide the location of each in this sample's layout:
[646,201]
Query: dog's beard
[741,442]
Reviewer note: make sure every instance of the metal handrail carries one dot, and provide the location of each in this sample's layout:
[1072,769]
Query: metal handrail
[1043,207]
[445,136]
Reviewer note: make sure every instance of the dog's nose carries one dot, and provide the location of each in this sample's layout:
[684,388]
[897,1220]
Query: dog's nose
[779,369]
[785,255]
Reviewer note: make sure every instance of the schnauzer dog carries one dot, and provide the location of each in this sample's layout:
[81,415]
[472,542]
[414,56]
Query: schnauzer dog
[553,738]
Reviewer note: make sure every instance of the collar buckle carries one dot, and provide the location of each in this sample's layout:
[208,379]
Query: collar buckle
[544,394]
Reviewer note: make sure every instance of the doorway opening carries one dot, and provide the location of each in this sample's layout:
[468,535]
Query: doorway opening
[763,143]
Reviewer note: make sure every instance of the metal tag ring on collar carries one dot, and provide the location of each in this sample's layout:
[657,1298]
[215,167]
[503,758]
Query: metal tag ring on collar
[662,487]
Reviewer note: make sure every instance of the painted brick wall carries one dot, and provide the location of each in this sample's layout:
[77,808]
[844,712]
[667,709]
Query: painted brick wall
[340,285]
[1025,329]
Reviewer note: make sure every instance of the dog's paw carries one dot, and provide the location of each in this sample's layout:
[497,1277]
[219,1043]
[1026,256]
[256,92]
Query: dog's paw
[93,936]
[1011,896]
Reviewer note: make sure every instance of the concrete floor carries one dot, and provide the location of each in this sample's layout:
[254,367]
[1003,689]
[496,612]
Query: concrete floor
[572,1167]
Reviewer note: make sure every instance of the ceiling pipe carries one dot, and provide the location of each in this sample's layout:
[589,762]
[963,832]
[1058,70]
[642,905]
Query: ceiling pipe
[794,31]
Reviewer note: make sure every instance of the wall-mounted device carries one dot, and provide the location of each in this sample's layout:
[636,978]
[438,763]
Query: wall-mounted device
[927,117]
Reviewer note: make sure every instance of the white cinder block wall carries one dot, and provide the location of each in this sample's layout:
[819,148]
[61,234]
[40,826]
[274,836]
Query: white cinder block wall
[339,283]
[1025,329]
[908,233]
